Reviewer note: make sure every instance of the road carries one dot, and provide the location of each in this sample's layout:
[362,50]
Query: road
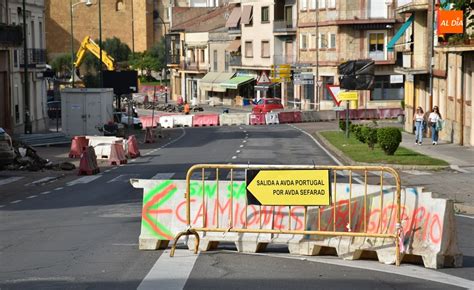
[82,232]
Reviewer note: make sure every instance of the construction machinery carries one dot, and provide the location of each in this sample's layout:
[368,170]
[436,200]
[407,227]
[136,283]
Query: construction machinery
[88,44]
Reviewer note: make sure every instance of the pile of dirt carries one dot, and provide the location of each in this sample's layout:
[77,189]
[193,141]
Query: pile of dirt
[27,159]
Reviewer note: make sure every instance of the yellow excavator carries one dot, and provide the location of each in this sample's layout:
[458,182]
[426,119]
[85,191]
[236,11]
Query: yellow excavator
[88,44]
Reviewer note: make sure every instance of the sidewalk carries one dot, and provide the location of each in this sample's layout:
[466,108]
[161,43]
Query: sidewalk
[454,183]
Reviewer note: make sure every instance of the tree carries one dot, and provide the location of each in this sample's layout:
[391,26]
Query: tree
[153,59]
[62,65]
[465,5]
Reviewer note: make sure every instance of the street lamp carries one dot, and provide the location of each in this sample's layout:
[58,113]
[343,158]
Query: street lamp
[157,15]
[88,3]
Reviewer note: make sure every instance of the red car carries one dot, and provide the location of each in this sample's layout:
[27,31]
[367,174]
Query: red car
[267,105]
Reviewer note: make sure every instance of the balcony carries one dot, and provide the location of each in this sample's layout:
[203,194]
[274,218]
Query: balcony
[191,65]
[413,64]
[173,59]
[284,27]
[409,6]
[235,30]
[284,59]
[235,60]
[11,35]
[360,19]
[35,57]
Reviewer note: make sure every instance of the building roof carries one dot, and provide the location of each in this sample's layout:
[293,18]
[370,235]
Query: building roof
[192,19]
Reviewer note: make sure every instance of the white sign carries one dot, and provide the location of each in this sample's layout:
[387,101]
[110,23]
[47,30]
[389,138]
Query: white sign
[263,79]
[396,79]
[319,83]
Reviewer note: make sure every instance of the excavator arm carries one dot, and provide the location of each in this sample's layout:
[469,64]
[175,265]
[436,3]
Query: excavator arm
[89,45]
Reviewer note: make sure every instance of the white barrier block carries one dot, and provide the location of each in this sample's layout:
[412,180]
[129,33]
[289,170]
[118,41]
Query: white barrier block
[167,121]
[271,118]
[102,144]
[234,119]
[182,120]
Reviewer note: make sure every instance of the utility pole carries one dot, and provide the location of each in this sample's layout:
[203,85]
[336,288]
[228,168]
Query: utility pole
[316,81]
[133,29]
[26,87]
[100,44]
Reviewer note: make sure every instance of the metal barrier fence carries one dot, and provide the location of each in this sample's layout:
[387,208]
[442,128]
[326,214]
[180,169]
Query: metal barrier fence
[331,228]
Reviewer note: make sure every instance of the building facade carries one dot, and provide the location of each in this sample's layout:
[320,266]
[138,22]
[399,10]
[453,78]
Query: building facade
[22,104]
[333,31]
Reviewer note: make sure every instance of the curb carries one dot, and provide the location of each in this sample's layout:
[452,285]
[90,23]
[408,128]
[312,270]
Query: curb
[349,161]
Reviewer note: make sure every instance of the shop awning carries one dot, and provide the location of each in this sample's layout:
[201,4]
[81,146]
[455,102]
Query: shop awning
[234,46]
[223,77]
[247,14]
[206,82]
[234,83]
[234,18]
[399,33]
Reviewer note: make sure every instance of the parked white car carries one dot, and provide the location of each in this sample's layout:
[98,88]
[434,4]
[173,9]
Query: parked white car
[122,118]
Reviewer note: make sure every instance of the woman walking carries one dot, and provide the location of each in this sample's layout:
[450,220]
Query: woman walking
[419,119]
[434,119]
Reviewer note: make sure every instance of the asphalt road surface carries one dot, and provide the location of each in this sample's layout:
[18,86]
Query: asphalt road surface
[82,232]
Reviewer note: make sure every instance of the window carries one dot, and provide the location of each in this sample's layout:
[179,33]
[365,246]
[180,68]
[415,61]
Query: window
[265,14]
[265,48]
[376,45]
[227,60]
[327,80]
[202,55]
[303,5]
[323,41]
[303,41]
[119,6]
[322,4]
[331,3]
[312,4]
[332,40]
[384,90]
[41,45]
[15,58]
[214,67]
[248,49]
[312,41]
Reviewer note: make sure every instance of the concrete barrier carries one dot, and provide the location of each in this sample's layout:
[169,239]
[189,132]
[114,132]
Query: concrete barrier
[297,117]
[166,121]
[286,117]
[234,119]
[308,116]
[257,119]
[324,116]
[182,120]
[429,229]
[202,120]
[102,144]
[271,118]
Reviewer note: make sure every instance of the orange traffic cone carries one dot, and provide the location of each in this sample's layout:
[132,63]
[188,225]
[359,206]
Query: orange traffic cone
[88,163]
[117,155]
[133,151]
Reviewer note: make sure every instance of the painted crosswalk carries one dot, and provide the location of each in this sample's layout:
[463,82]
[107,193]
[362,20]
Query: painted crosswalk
[10,180]
[83,180]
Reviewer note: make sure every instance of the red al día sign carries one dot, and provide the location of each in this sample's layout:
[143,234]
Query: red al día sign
[450,21]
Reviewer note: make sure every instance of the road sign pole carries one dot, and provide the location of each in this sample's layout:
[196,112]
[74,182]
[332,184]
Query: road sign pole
[347,119]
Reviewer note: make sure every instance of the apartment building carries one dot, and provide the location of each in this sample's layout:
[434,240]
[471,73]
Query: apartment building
[22,111]
[265,37]
[333,31]
[436,73]
[188,48]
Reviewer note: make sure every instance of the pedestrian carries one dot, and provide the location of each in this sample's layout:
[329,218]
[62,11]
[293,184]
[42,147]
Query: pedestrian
[186,108]
[434,121]
[419,119]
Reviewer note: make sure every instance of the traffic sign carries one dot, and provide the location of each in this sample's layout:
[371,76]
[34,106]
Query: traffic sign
[263,79]
[348,96]
[289,187]
[338,108]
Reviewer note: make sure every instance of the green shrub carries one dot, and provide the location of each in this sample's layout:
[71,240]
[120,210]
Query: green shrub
[369,135]
[342,124]
[389,139]
[357,131]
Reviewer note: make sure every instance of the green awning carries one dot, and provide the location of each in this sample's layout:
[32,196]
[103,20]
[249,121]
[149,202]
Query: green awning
[206,82]
[234,83]
[399,33]
[223,77]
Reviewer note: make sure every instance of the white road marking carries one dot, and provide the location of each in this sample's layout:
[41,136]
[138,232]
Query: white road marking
[32,196]
[59,188]
[245,132]
[2,206]
[238,151]
[456,167]
[241,146]
[237,175]
[16,201]
[126,245]
[123,178]
[10,180]
[107,171]
[198,175]
[45,193]
[413,271]
[83,180]
[417,172]
[234,157]
[43,180]
[163,176]
[41,279]
[244,141]
[170,273]
[465,216]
